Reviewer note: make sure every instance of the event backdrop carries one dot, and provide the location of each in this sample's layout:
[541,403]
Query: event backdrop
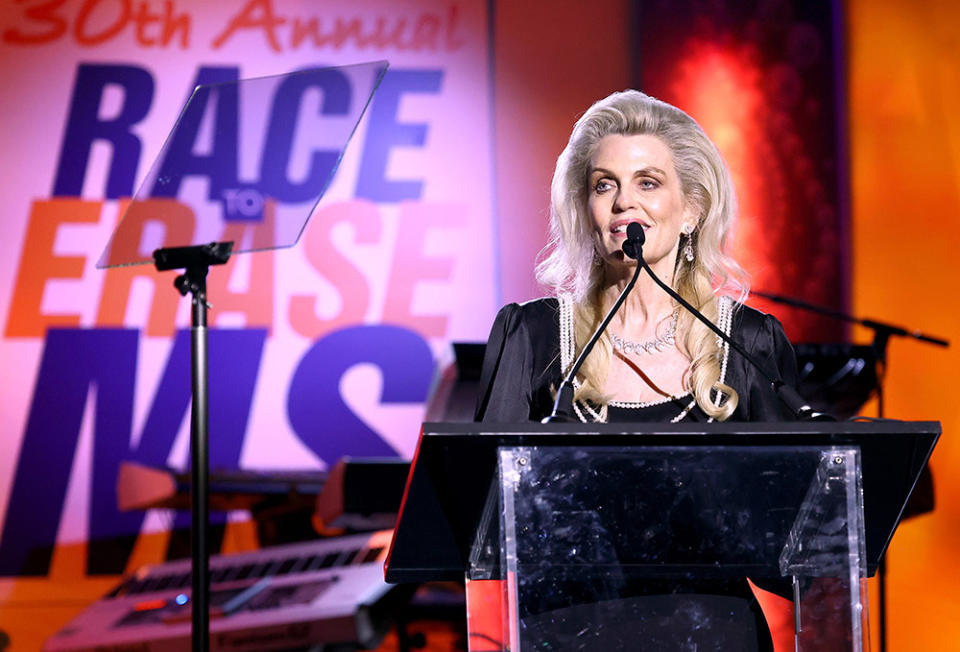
[321,350]
[435,217]
[766,82]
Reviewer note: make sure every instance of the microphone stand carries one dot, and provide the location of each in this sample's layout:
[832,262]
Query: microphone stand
[633,248]
[563,405]
[787,395]
[882,332]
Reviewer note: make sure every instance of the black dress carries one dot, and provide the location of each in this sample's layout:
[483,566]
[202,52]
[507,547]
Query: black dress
[528,347]
[524,358]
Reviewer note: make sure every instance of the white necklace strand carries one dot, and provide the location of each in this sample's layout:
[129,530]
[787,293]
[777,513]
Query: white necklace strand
[656,345]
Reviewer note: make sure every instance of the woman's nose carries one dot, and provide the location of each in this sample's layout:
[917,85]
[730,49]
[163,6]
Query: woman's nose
[624,200]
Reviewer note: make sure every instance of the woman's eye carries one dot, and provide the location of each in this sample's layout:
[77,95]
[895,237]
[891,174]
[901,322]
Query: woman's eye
[649,184]
[602,186]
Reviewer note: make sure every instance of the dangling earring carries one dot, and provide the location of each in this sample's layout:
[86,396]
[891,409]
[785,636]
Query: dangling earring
[688,247]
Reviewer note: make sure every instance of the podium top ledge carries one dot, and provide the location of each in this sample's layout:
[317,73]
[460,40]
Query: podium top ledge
[855,428]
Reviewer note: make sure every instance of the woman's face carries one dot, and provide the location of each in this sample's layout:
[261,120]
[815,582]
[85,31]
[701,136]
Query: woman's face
[632,179]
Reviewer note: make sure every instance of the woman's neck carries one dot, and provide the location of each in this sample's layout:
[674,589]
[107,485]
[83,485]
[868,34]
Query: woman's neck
[646,304]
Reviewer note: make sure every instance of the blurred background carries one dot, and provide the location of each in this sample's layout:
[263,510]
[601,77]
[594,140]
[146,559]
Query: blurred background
[836,118]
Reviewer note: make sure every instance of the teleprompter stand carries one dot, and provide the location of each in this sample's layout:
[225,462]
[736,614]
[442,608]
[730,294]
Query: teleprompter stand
[196,262]
[604,536]
[171,216]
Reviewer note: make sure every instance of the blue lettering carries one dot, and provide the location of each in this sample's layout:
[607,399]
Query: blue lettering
[234,359]
[283,121]
[74,360]
[84,126]
[318,413]
[385,133]
[220,166]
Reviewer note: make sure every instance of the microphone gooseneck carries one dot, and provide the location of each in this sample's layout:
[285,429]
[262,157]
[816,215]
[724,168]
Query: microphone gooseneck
[563,404]
[787,395]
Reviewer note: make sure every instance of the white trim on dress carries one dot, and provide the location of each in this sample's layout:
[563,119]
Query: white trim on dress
[567,351]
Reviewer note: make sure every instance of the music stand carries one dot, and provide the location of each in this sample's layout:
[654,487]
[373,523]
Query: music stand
[248,138]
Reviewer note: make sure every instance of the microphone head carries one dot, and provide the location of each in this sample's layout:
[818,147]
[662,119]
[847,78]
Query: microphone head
[633,245]
[635,232]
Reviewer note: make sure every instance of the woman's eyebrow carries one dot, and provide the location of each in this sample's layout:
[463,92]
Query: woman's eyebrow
[649,169]
[605,171]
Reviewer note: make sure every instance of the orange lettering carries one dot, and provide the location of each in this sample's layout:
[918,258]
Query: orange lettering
[38,265]
[166,24]
[247,19]
[454,42]
[425,33]
[143,18]
[351,284]
[382,39]
[301,30]
[410,266]
[256,303]
[345,29]
[172,24]
[44,13]
[178,224]
[80,27]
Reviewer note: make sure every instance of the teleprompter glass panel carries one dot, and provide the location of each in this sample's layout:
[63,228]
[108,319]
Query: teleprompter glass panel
[246,160]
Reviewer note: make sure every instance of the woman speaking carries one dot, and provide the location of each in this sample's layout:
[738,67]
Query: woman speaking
[634,159]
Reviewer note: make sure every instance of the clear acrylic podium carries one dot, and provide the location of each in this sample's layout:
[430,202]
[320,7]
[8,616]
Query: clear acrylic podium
[699,520]
[597,538]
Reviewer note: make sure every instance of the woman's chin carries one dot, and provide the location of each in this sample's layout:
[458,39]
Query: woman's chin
[618,259]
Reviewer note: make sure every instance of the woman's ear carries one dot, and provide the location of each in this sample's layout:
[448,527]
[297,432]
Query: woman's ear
[691,216]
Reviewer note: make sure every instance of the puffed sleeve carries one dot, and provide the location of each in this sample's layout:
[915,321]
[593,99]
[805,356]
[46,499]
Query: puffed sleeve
[505,379]
[772,348]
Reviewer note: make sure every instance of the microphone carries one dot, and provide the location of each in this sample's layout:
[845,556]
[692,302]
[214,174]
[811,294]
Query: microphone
[787,395]
[563,404]
[633,246]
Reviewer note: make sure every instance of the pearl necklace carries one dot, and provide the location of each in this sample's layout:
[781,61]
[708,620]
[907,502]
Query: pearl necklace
[656,345]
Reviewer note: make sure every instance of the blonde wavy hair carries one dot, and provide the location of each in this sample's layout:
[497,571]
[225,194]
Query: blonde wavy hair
[568,265]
